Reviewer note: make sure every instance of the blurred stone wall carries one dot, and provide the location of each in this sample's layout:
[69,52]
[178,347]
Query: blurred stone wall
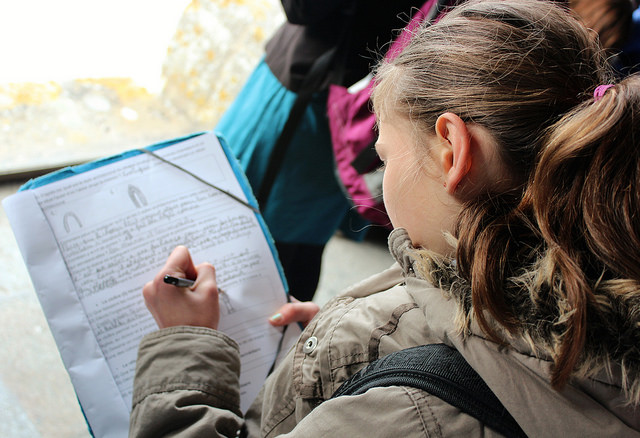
[214,49]
[216,46]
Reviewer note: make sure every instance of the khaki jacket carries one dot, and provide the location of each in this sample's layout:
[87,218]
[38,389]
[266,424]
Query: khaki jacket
[187,378]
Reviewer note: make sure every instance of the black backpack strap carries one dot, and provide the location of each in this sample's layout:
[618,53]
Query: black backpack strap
[312,83]
[441,371]
[316,74]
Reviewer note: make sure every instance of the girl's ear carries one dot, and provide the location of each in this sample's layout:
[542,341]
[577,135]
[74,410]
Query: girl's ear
[455,157]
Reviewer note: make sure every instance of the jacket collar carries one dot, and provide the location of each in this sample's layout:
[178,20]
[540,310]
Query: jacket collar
[400,247]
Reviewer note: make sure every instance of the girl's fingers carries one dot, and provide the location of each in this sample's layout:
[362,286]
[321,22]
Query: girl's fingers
[195,306]
[180,264]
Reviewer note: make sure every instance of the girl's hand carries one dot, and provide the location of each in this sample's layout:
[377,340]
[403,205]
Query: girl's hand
[296,311]
[195,306]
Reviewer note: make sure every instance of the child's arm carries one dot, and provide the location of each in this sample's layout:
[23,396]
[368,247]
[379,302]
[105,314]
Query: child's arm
[186,382]
[187,373]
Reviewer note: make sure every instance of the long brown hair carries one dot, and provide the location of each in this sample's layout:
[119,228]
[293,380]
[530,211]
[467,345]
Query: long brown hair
[585,195]
[569,224]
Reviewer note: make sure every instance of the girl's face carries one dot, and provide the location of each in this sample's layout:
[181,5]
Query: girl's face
[413,186]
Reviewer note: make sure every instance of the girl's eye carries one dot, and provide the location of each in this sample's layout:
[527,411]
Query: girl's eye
[381,167]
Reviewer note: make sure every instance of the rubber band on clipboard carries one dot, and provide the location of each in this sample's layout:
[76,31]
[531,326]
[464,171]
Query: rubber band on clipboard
[231,195]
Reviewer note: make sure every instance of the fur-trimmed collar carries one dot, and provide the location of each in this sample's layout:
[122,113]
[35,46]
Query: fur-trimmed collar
[613,325]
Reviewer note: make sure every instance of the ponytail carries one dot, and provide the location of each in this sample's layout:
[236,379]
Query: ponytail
[570,237]
[586,187]
[586,200]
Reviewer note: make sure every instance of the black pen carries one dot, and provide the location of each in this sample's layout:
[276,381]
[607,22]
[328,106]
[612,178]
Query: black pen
[178,282]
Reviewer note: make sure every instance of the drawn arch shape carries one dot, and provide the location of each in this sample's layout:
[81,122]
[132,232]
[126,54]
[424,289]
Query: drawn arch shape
[137,197]
[66,221]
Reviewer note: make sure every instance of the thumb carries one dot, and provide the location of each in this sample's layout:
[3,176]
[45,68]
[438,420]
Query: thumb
[302,312]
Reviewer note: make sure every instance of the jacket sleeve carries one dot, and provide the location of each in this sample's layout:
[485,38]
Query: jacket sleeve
[186,383]
[310,11]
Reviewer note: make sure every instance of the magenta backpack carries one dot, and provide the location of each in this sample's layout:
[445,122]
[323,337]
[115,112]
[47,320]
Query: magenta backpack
[353,133]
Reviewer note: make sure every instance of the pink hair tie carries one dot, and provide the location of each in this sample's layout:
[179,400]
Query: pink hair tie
[599,91]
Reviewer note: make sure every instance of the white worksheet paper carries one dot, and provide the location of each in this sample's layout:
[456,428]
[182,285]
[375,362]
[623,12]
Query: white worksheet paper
[91,241]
